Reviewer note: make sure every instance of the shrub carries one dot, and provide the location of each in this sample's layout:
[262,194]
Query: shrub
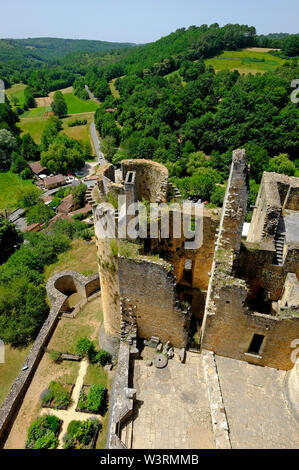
[85,347]
[77,122]
[55,356]
[103,357]
[47,397]
[96,398]
[48,441]
[43,432]
[80,433]
[56,394]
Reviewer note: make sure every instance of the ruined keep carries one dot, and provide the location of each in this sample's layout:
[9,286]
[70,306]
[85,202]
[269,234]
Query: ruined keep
[154,286]
[241,295]
[252,307]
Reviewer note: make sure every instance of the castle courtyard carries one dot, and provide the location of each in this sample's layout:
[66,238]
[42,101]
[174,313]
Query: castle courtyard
[172,409]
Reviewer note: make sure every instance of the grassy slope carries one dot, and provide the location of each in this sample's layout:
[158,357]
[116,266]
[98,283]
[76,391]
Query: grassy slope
[17,90]
[14,359]
[82,257]
[10,185]
[245,61]
[76,105]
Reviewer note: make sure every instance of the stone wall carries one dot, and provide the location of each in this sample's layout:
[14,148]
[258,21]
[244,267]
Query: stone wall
[152,179]
[229,323]
[235,203]
[255,265]
[88,285]
[121,399]
[230,327]
[151,287]
[277,192]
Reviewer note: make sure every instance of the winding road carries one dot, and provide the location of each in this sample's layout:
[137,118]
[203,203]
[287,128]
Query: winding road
[93,133]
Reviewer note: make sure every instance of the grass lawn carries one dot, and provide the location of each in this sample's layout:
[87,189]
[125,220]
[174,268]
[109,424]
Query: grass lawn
[41,112]
[33,126]
[17,90]
[75,105]
[78,132]
[36,125]
[245,61]
[82,257]
[70,330]
[14,359]
[10,185]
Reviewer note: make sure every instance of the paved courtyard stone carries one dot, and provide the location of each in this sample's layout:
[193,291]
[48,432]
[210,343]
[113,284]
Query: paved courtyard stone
[256,408]
[173,408]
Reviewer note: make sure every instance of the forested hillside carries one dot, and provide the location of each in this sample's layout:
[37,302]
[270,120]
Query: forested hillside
[18,57]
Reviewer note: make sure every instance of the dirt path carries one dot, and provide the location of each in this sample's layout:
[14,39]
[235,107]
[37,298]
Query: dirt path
[71,414]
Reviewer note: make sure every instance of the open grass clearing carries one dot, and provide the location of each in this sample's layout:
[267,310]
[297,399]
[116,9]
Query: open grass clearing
[82,257]
[246,61]
[10,186]
[75,105]
[36,125]
[14,359]
[17,91]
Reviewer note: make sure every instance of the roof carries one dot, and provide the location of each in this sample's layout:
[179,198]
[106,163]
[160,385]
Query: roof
[33,228]
[69,197]
[47,199]
[54,179]
[36,167]
[65,206]
[83,210]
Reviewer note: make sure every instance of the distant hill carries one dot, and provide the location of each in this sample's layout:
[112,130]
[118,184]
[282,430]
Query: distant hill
[19,56]
[55,48]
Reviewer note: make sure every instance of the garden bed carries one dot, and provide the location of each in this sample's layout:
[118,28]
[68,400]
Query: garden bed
[93,399]
[43,433]
[82,434]
[57,396]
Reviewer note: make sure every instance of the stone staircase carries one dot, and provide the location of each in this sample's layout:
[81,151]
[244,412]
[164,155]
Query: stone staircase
[279,244]
[126,434]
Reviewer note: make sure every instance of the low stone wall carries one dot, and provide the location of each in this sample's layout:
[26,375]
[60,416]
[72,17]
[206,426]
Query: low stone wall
[88,285]
[121,399]
[219,420]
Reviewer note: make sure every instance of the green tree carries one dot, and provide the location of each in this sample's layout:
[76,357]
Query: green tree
[78,193]
[28,197]
[195,161]
[29,149]
[18,163]
[282,164]
[59,106]
[38,214]
[10,239]
[8,144]
[108,147]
